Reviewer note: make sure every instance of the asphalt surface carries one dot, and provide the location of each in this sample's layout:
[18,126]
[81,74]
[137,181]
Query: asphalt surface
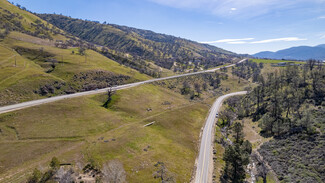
[23,105]
[205,159]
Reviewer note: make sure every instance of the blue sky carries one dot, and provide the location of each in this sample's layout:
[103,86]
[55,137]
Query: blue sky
[242,26]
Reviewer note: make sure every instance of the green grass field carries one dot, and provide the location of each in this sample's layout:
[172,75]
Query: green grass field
[268,65]
[25,66]
[270,61]
[19,81]
[79,130]
[171,139]
[74,63]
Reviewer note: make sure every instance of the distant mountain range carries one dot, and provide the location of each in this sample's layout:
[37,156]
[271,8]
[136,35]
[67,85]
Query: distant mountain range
[296,53]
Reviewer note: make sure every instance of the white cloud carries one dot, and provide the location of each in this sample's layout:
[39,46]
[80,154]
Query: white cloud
[322,36]
[321,17]
[238,8]
[278,40]
[227,40]
[248,40]
[238,42]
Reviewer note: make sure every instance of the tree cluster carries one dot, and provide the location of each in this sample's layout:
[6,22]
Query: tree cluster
[195,87]
[54,173]
[247,70]
[111,171]
[289,105]
[162,173]
[134,62]
[283,101]
[236,157]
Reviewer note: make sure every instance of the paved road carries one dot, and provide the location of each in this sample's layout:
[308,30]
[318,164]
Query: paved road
[203,170]
[15,107]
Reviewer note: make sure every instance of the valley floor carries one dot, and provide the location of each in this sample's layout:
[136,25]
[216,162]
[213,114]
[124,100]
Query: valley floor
[80,130]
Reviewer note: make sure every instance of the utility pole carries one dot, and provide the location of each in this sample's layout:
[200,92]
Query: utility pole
[15,57]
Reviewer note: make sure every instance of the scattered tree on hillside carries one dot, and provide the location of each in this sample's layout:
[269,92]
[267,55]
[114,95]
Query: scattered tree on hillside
[81,50]
[227,117]
[247,70]
[197,87]
[281,100]
[55,163]
[186,88]
[238,133]
[236,157]
[35,177]
[162,173]
[110,93]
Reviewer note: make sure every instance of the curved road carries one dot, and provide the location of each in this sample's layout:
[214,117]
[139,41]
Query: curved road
[203,169]
[23,105]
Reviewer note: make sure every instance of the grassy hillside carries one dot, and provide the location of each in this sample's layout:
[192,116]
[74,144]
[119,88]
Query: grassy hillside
[33,65]
[172,139]
[80,131]
[43,70]
[163,49]
[13,18]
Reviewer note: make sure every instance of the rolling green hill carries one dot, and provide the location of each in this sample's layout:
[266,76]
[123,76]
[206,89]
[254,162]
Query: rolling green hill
[60,55]
[33,64]
[13,18]
[81,130]
[163,49]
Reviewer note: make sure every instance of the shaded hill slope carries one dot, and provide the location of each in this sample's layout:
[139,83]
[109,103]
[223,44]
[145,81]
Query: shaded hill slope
[163,49]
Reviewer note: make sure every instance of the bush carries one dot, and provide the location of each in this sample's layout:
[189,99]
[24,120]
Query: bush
[55,163]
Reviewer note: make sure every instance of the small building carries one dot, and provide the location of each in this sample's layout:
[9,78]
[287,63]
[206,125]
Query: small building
[281,64]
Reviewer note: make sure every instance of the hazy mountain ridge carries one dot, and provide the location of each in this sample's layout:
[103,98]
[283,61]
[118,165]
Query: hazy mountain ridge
[296,53]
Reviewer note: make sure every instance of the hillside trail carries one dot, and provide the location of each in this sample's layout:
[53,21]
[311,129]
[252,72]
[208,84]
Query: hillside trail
[23,69]
[6,60]
[9,49]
